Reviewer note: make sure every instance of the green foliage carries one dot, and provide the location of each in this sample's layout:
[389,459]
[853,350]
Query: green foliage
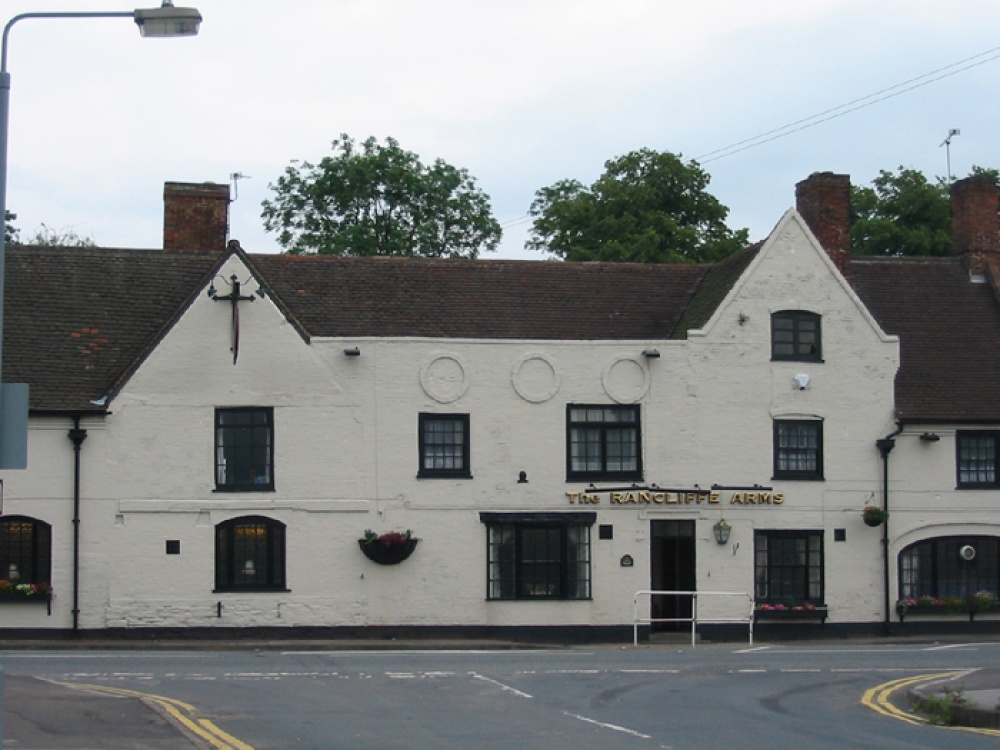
[10,232]
[46,236]
[647,207]
[940,709]
[904,214]
[374,199]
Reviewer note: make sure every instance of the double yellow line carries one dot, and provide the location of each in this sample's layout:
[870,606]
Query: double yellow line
[184,713]
[879,699]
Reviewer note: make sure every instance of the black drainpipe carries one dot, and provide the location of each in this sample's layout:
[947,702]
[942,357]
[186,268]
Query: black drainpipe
[77,434]
[885,446]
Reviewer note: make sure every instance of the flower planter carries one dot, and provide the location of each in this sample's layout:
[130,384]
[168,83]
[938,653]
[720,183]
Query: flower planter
[387,554]
[920,610]
[816,614]
[873,522]
[15,598]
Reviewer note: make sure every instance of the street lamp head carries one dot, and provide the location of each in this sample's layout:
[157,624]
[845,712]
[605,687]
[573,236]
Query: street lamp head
[167,21]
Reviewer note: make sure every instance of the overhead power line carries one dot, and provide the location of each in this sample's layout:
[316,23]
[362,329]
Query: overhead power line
[852,106]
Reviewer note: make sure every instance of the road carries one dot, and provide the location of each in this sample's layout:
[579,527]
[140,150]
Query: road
[713,697]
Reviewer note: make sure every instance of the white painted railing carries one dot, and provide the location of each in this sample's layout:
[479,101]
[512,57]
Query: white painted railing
[694,619]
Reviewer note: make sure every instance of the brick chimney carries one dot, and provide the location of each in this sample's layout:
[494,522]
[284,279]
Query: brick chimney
[195,216]
[824,201]
[975,224]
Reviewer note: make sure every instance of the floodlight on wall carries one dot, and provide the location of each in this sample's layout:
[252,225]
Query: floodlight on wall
[522,477]
[167,21]
[930,437]
[651,354]
[352,352]
[802,381]
[722,529]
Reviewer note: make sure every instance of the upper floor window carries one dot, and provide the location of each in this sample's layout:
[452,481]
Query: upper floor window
[444,445]
[25,550]
[798,449]
[977,458]
[250,554]
[602,443]
[244,449]
[795,335]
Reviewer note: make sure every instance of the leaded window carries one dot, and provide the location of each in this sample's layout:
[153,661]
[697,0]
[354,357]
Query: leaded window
[250,554]
[943,567]
[795,336]
[977,459]
[244,449]
[25,550]
[798,449]
[788,567]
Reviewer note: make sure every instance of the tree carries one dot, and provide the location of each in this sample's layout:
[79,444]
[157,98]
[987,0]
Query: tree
[46,236]
[647,207]
[903,213]
[374,199]
[10,232]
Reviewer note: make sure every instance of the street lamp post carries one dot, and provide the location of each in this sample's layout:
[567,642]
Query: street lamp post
[165,21]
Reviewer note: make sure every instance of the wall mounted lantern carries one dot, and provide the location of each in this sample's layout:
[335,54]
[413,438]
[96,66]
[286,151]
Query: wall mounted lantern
[352,352]
[722,530]
[651,353]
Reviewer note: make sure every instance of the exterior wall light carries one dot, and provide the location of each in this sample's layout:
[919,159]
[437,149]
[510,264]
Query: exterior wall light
[651,353]
[930,437]
[722,530]
[352,352]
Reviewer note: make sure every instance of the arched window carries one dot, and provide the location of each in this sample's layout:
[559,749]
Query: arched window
[25,550]
[956,566]
[250,554]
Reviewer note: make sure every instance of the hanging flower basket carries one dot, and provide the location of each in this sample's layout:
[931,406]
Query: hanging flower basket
[390,548]
[874,516]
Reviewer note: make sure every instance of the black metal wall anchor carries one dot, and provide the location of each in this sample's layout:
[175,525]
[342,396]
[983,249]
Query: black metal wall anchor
[234,297]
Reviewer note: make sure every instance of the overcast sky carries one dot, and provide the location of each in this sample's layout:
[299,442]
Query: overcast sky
[521,93]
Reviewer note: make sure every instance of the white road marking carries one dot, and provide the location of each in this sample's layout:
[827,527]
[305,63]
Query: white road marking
[500,685]
[613,727]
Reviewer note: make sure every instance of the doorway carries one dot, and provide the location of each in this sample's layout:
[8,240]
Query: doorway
[672,563]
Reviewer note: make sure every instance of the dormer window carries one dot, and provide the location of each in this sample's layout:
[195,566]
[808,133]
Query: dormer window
[795,336]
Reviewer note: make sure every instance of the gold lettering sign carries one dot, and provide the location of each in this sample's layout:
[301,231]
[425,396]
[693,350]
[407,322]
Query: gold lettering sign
[676,497]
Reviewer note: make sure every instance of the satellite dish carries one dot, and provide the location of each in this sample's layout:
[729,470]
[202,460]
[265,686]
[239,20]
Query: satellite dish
[968,552]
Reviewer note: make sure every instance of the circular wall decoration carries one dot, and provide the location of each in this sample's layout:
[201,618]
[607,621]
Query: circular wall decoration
[534,377]
[625,380]
[444,378]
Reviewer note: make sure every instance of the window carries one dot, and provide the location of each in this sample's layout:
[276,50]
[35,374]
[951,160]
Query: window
[788,567]
[936,567]
[244,449]
[538,555]
[250,555]
[25,550]
[795,335]
[798,449]
[977,459]
[603,443]
[444,445]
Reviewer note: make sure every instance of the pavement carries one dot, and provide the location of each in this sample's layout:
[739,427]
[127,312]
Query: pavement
[41,714]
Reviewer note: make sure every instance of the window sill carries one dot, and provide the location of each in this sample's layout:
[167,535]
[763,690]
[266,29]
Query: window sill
[431,475]
[246,488]
[781,478]
[252,590]
[815,614]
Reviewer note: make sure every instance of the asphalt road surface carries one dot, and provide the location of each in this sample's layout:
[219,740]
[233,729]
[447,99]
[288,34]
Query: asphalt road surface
[715,697]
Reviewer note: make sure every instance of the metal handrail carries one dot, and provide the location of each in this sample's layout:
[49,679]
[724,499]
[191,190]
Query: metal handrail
[693,619]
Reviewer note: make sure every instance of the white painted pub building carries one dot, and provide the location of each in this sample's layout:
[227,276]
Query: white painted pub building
[213,432]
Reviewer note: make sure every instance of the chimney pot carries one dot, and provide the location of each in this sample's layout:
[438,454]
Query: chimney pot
[975,223]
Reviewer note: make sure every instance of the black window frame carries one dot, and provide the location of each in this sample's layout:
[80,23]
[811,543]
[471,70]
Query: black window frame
[933,567]
[261,425]
[989,466]
[783,453]
[512,574]
[605,430]
[464,471]
[792,583]
[801,324]
[235,556]
[25,543]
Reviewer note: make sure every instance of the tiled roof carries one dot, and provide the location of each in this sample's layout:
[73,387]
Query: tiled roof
[77,319]
[949,329]
[493,299]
